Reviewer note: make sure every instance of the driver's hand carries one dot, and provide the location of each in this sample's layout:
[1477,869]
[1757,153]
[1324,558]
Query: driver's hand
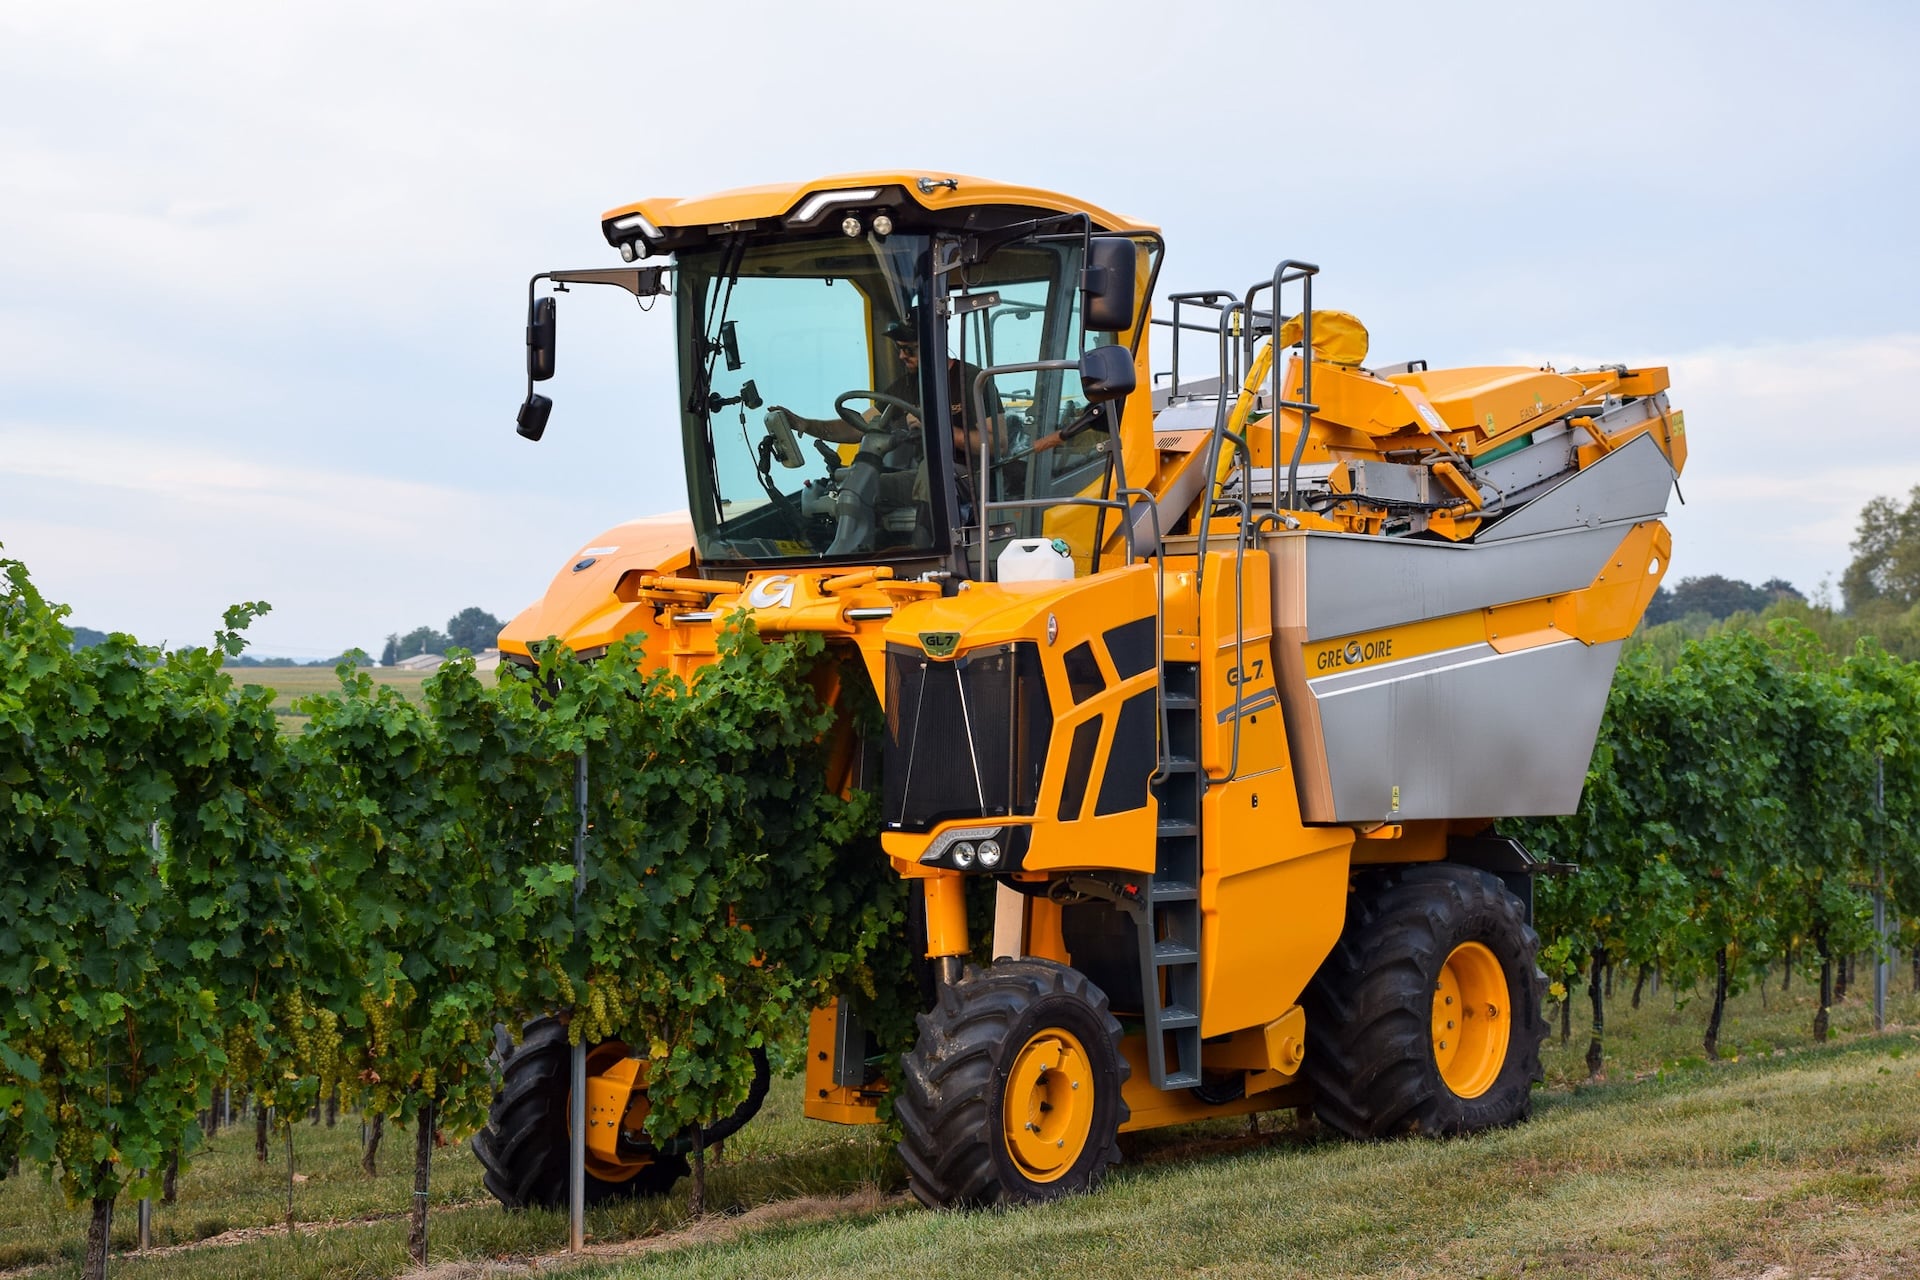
[779,415]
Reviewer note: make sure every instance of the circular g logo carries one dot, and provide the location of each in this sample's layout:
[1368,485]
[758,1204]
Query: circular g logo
[772,593]
[1353,653]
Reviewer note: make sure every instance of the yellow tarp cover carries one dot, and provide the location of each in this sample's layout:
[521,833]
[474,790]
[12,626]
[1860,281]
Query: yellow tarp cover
[1338,337]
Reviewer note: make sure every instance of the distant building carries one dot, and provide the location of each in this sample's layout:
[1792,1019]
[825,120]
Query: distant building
[485,660]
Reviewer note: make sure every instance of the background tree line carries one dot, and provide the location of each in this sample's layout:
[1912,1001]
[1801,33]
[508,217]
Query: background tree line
[472,629]
[1879,595]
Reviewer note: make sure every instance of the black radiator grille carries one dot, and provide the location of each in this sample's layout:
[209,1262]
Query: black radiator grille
[965,738]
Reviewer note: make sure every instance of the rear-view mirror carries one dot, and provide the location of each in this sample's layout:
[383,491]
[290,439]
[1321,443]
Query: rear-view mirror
[540,339]
[1108,301]
[532,422]
[1106,374]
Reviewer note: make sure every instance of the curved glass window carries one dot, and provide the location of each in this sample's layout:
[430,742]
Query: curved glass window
[803,391]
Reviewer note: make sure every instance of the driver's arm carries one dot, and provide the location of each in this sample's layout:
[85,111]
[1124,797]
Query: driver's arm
[967,433]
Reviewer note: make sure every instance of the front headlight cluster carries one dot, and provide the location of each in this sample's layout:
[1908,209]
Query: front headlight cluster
[973,849]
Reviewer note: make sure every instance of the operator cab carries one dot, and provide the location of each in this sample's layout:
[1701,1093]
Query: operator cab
[856,371]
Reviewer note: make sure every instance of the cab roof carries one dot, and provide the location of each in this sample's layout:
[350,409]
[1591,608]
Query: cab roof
[931,190]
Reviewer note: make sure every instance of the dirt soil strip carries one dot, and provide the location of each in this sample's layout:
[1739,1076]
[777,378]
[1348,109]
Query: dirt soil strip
[713,1229]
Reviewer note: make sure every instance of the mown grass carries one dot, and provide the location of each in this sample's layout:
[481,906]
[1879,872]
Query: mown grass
[1811,1166]
[1793,1157]
[355,1226]
[292,683]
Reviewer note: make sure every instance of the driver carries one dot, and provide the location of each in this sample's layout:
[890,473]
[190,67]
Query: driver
[896,489]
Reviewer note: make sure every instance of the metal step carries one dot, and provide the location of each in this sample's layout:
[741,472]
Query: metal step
[1173,891]
[1166,953]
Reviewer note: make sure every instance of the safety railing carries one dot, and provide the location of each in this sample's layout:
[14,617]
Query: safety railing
[1122,501]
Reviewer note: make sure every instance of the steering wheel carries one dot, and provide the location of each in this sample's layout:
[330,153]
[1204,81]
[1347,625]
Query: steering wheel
[889,402]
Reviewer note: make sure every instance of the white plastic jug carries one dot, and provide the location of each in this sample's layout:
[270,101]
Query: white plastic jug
[1036,560]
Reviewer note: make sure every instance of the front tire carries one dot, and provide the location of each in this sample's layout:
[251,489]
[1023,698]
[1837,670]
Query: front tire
[1013,1090]
[1426,1016]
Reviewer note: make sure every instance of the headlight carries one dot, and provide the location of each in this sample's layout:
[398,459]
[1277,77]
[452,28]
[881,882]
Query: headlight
[993,849]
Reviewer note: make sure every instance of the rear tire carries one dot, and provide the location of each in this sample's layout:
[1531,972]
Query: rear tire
[1013,1090]
[1426,1016]
[523,1149]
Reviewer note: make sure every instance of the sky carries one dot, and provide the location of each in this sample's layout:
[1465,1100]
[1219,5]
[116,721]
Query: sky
[264,266]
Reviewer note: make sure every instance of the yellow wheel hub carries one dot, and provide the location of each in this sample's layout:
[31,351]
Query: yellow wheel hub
[1472,1021]
[1049,1105]
[600,1059]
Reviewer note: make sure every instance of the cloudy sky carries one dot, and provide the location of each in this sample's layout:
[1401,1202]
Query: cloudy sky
[265,266]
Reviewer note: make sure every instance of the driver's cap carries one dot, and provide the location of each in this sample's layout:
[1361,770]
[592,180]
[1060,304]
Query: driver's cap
[906,330]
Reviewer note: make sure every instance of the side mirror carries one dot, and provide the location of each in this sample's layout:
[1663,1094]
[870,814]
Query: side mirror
[532,422]
[1106,374]
[1107,290]
[540,338]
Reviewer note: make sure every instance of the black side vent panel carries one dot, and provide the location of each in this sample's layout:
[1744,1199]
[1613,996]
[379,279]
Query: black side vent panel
[1131,761]
[1130,645]
[1083,673]
[1073,792]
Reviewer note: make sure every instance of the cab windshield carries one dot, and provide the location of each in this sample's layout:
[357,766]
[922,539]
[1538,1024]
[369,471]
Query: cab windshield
[802,422]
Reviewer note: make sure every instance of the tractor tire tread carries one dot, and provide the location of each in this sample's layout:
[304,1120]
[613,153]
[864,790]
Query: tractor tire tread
[1369,1008]
[947,1117]
[523,1148]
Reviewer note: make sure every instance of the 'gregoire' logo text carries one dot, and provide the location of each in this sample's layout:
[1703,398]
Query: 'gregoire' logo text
[1354,653]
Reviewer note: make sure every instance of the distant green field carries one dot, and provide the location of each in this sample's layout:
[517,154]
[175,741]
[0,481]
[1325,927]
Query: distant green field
[290,683]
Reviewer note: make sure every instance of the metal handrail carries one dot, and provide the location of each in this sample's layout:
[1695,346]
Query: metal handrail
[1210,482]
[1286,272]
[986,440]
[1201,297]
[1122,501]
